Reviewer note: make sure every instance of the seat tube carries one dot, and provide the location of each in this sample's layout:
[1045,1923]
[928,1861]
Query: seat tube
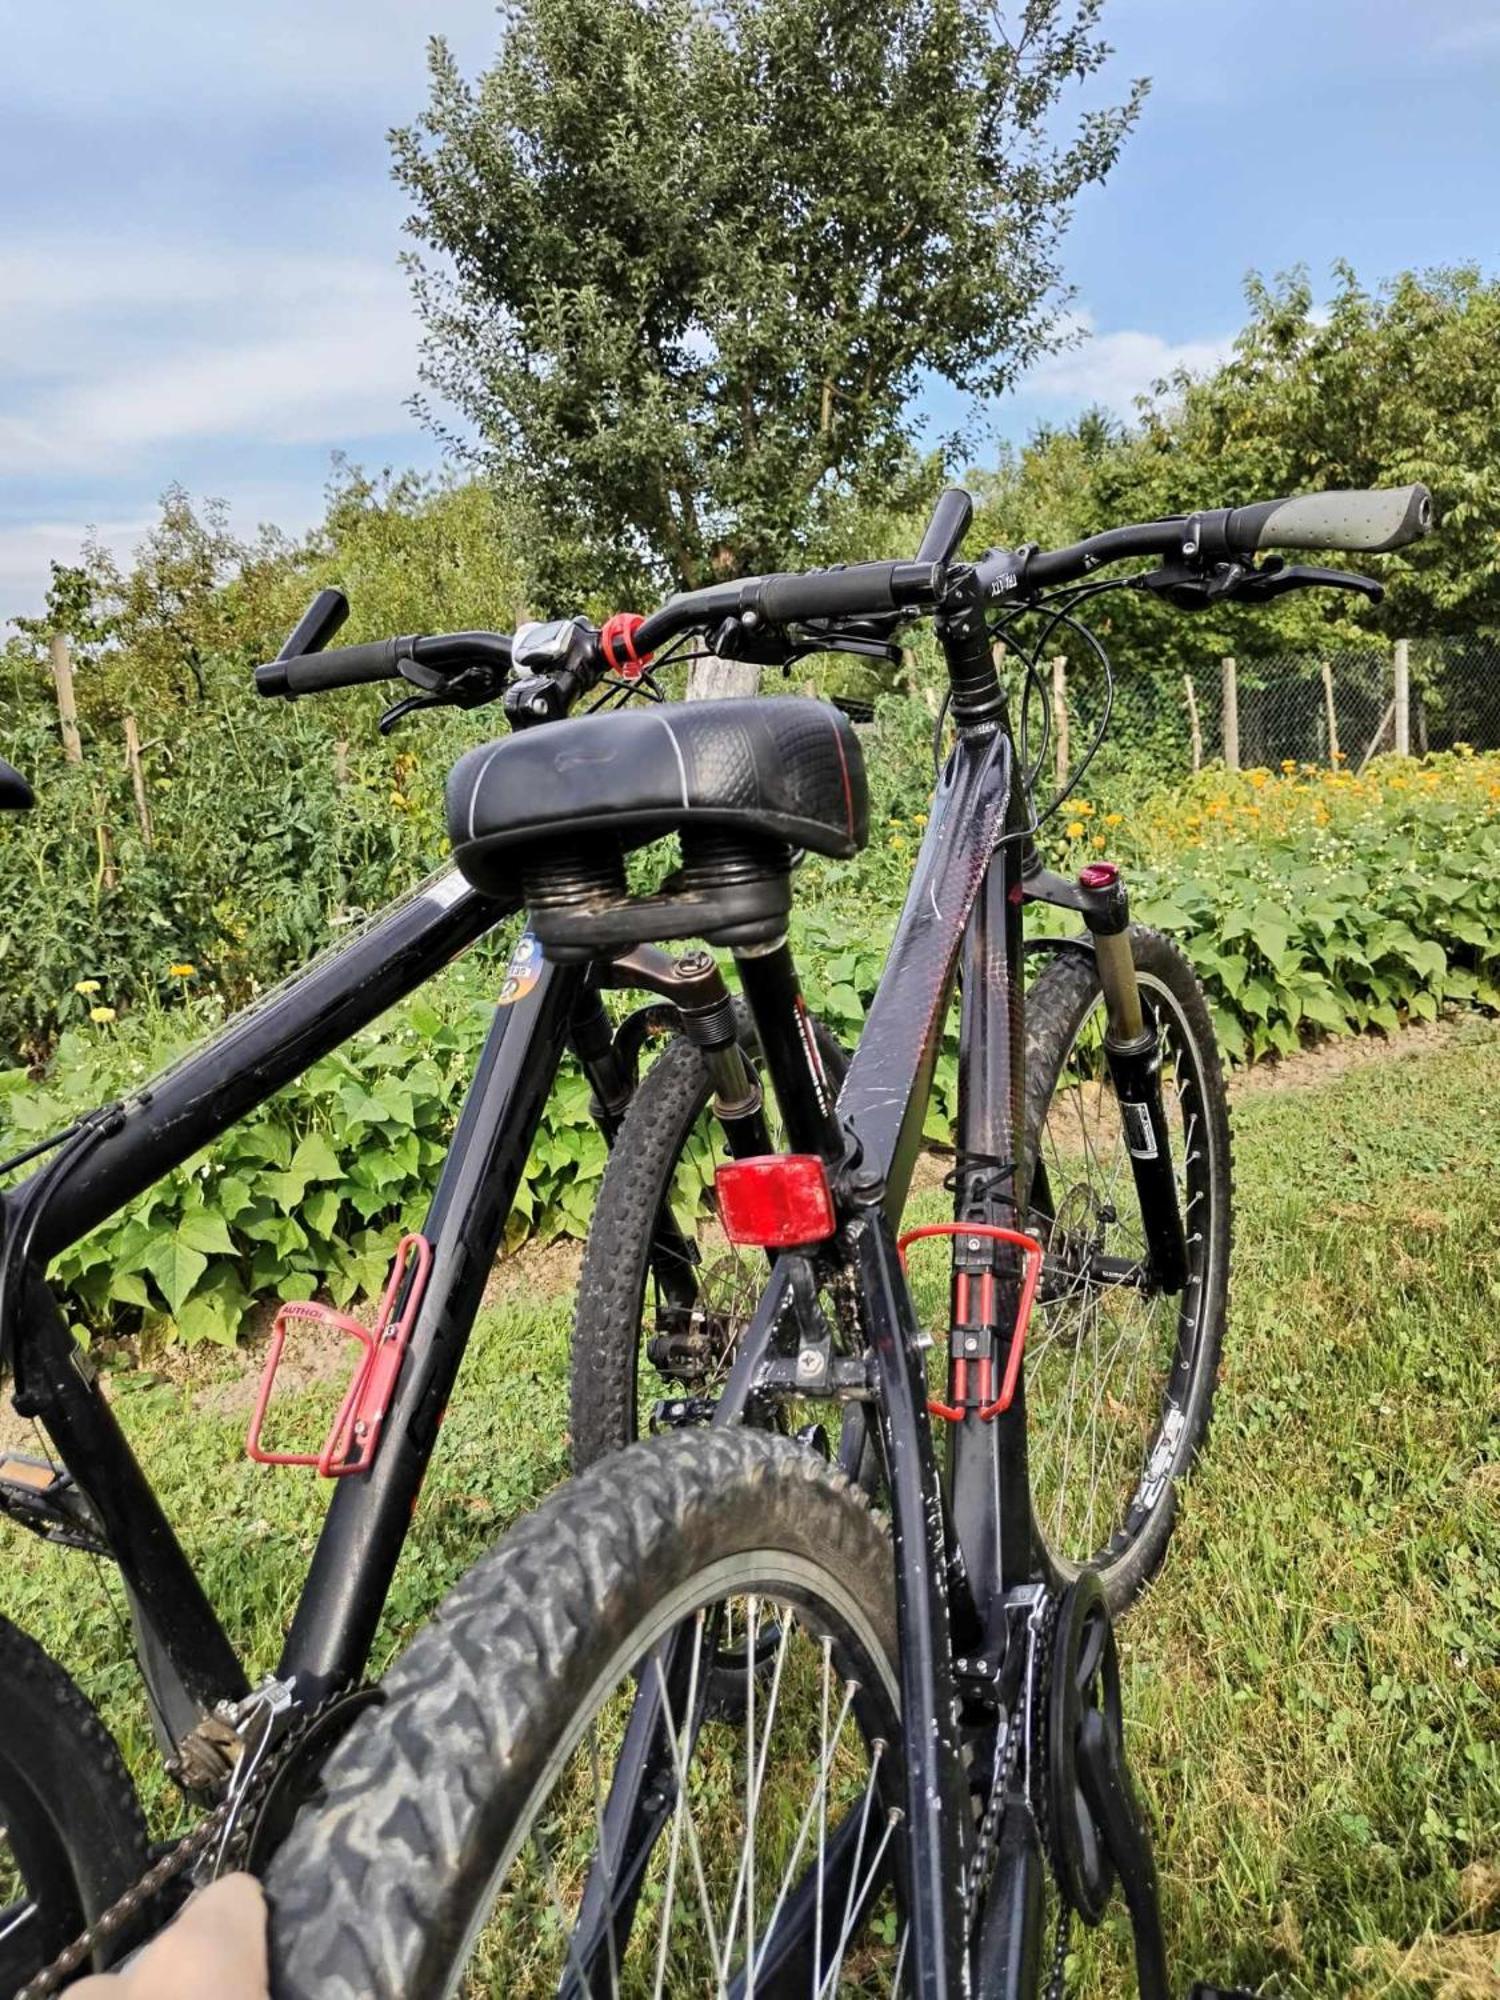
[790,1049]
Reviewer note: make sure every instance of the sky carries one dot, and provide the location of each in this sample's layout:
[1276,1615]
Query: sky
[199,234]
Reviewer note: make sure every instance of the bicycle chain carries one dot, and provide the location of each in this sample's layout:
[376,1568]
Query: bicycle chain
[1007,1757]
[234,1814]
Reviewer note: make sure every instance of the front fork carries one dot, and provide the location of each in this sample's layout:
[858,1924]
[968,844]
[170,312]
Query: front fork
[1133,1052]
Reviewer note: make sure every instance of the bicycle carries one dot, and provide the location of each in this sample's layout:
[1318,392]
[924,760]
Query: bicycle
[78,1883]
[551,1794]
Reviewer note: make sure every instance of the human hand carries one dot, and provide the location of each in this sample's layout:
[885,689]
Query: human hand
[215,1950]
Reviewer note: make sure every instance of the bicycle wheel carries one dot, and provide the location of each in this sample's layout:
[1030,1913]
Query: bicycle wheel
[646,1326]
[460,1825]
[71,1834]
[1119,1381]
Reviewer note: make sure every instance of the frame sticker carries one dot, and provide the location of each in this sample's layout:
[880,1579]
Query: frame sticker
[523,972]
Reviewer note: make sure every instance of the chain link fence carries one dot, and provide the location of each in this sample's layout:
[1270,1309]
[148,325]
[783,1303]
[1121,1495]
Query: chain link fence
[1345,705]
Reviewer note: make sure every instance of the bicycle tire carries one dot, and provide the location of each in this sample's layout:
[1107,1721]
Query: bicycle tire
[1126,1551]
[73,1835]
[609,1330]
[382,1887]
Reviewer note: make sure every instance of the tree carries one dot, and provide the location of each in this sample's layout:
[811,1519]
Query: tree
[1375,389]
[684,268]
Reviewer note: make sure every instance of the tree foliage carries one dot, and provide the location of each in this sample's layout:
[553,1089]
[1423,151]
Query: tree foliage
[684,268]
[1377,388]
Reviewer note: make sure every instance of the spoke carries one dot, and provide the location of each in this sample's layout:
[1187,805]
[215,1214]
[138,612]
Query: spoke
[822,1808]
[684,1809]
[570,1942]
[609,1879]
[850,1690]
[754,1788]
[674,1845]
[16,1919]
[854,1901]
[900,1962]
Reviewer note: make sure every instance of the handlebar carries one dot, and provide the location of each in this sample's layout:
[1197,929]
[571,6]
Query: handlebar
[381,660]
[469,667]
[1371,522]
[862,590]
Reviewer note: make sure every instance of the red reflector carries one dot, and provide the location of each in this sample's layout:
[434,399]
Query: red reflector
[775,1201]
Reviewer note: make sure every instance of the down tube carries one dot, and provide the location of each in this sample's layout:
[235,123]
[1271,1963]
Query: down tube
[263,1048]
[331,1634]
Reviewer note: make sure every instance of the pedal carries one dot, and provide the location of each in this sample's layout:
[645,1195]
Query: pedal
[354,1434]
[45,1498]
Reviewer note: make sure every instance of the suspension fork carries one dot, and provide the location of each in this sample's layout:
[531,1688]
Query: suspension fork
[1133,1052]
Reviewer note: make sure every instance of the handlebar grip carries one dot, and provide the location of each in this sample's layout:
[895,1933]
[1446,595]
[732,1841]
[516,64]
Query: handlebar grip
[347,666]
[1368,521]
[863,589]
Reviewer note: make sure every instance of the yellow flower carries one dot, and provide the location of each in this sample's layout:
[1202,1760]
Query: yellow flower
[1081,807]
[919,819]
[87,986]
[182,971]
[1099,841]
[1258,778]
[101,1014]
[1075,829]
[1114,819]
[1288,764]
[897,841]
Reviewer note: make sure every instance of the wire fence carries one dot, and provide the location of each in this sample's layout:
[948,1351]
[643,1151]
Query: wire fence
[1344,705]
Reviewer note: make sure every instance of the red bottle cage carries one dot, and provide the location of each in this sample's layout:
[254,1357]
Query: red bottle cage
[1031,1252]
[355,1432]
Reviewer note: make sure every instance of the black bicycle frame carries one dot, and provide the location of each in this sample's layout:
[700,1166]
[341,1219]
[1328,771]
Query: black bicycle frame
[188,1662]
[956,1550]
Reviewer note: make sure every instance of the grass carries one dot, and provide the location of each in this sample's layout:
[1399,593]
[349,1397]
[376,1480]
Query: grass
[1312,1683]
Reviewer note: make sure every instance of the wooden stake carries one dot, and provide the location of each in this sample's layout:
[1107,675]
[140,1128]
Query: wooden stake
[138,780]
[1401,698]
[341,761]
[1380,728]
[67,709]
[1193,723]
[1231,722]
[1333,721]
[1060,719]
[713,679]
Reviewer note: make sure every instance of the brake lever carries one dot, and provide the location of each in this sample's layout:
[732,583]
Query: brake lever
[1191,589]
[1275,579]
[471,687]
[399,709]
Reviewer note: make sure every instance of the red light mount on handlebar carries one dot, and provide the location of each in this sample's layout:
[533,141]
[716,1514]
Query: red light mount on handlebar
[617,644]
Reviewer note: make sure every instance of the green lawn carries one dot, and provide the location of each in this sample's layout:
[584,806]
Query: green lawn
[1313,1682]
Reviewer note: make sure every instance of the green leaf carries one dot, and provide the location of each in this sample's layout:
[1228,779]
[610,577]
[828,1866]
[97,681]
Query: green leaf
[316,1160]
[320,1211]
[176,1267]
[204,1230]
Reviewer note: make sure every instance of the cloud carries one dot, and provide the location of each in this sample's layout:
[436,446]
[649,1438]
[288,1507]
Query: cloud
[28,548]
[132,352]
[1115,368]
[1472,37]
